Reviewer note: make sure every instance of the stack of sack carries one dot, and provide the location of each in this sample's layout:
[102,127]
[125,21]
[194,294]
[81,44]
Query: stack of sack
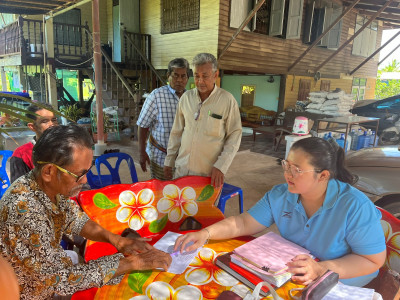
[336,103]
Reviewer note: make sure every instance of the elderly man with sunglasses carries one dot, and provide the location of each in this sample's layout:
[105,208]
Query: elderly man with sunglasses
[36,211]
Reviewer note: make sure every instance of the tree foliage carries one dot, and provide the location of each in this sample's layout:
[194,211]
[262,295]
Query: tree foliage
[390,87]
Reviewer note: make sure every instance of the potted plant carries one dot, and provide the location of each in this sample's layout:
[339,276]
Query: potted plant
[72,112]
[107,126]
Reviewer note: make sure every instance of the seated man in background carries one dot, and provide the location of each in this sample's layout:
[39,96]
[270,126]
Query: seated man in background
[36,211]
[21,160]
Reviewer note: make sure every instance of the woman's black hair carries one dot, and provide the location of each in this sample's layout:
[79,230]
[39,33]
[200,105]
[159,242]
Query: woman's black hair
[325,155]
[56,145]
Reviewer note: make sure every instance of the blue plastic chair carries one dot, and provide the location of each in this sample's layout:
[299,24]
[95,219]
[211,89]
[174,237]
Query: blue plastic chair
[93,180]
[113,176]
[229,191]
[5,181]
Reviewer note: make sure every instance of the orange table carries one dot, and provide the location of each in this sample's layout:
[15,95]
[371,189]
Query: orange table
[192,196]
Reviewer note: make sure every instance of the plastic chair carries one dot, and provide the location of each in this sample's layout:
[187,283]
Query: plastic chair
[113,177]
[5,181]
[229,191]
[93,180]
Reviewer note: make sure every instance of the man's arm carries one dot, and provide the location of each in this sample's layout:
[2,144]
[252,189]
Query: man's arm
[142,139]
[233,138]
[174,142]
[17,168]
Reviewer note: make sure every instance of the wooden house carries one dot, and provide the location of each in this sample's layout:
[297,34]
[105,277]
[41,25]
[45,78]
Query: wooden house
[277,58]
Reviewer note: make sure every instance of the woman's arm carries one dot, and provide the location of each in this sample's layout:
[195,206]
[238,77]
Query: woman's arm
[243,224]
[351,265]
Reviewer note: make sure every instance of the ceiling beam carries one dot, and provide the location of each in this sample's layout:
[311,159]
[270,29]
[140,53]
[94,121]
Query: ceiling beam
[35,3]
[376,8]
[354,36]
[382,16]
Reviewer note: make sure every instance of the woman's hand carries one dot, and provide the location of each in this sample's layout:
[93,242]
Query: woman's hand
[198,238]
[305,269]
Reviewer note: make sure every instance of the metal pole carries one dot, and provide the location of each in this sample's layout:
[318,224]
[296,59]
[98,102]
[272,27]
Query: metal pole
[247,20]
[391,52]
[375,52]
[97,71]
[355,35]
[323,34]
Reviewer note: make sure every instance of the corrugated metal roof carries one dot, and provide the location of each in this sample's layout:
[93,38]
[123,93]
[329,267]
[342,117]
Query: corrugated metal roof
[34,7]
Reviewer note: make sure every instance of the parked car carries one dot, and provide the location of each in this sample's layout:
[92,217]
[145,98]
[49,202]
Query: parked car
[378,173]
[388,111]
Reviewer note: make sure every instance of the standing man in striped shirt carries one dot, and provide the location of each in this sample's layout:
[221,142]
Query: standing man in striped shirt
[157,116]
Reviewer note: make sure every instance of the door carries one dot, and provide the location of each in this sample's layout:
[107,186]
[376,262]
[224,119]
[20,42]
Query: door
[248,95]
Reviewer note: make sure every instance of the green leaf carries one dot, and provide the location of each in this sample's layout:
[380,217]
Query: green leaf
[206,193]
[102,201]
[158,225]
[136,280]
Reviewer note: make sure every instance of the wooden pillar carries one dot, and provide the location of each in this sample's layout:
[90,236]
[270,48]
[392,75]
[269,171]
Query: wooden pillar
[98,72]
[282,89]
[51,81]
[3,79]
[80,87]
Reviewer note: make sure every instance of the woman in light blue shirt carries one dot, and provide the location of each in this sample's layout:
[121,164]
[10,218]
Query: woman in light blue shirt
[317,209]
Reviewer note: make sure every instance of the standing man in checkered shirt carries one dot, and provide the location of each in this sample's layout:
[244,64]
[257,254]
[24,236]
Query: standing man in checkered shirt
[157,116]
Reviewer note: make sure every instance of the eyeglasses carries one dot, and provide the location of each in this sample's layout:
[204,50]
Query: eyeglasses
[295,171]
[78,177]
[197,113]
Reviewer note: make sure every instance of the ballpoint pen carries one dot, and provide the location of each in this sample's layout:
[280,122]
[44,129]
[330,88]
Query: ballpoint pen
[264,268]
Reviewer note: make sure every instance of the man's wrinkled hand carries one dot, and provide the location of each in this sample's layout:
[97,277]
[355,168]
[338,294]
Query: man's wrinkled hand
[217,177]
[144,160]
[150,260]
[168,172]
[133,245]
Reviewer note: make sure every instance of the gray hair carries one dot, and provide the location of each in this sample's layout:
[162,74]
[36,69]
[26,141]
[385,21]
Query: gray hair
[178,63]
[204,58]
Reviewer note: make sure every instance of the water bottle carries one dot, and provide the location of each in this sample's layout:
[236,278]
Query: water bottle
[354,140]
[328,136]
[372,137]
[361,140]
[340,141]
[367,141]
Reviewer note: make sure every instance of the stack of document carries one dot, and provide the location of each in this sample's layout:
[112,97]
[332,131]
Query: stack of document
[267,256]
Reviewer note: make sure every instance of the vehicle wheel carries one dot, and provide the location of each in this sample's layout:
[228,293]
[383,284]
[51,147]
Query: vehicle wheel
[393,207]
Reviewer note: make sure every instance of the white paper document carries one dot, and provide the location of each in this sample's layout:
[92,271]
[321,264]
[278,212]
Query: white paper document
[180,261]
[345,292]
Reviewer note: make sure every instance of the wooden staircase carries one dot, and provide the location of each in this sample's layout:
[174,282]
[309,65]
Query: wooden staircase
[124,84]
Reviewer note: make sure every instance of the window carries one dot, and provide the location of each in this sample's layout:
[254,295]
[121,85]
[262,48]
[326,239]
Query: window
[358,88]
[319,16]
[365,43]
[179,15]
[68,35]
[248,95]
[280,18]
[304,89]
[325,85]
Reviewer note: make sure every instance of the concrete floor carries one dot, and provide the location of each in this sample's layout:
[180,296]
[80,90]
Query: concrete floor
[255,168]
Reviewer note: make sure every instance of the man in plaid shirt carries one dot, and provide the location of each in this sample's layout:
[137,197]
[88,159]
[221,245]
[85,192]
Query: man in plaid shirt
[157,116]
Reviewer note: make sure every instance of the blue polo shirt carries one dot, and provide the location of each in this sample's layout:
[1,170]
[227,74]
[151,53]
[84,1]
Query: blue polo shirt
[347,222]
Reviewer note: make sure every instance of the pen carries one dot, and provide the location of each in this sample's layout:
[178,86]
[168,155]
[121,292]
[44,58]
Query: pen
[175,252]
[266,269]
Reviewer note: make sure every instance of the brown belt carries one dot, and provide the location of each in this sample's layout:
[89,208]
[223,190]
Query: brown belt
[153,142]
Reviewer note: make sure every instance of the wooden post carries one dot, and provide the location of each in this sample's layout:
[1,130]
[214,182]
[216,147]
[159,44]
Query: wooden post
[323,34]
[80,87]
[375,52]
[98,71]
[355,35]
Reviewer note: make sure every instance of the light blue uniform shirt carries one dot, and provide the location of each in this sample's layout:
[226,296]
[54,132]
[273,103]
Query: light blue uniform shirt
[347,222]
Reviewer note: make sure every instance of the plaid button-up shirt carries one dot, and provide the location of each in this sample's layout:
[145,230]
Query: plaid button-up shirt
[158,114]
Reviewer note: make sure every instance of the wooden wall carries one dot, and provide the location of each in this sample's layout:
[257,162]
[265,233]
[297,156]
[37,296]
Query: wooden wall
[253,52]
[181,44]
[86,15]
